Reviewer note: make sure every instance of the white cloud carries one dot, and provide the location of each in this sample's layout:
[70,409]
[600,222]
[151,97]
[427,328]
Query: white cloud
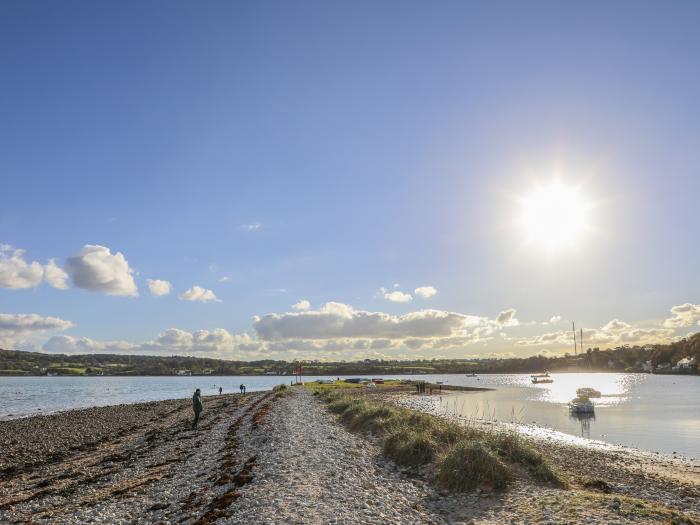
[555,319]
[426,292]
[338,320]
[96,269]
[159,288]
[55,276]
[616,326]
[173,341]
[684,315]
[225,279]
[615,332]
[302,305]
[17,273]
[251,227]
[16,328]
[395,296]
[507,318]
[202,295]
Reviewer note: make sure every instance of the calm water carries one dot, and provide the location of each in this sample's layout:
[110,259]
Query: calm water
[650,412]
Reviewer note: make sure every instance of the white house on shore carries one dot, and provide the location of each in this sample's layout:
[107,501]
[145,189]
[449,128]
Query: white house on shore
[687,363]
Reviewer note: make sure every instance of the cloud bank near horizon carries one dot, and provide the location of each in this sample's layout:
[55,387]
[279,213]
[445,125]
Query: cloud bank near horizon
[338,331]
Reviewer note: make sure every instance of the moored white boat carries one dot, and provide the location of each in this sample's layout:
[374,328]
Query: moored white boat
[581,405]
[541,378]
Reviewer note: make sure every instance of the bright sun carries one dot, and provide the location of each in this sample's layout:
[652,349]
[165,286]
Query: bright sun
[554,217]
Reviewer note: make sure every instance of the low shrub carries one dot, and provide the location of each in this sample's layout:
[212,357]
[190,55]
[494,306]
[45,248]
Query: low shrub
[470,464]
[516,450]
[354,409]
[374,418]
[464,457]
[410,448]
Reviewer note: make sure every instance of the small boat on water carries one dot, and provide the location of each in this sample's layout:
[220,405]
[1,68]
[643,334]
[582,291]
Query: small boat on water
[588,392]
[470,375]
[541,378]
[581,405]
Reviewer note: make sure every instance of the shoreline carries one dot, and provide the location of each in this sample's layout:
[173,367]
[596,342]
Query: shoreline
[626,468]
[415,402]
[536,431]
[263,456]
[368,374]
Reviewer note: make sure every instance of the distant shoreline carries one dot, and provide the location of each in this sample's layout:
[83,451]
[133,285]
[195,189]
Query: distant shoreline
[362,375]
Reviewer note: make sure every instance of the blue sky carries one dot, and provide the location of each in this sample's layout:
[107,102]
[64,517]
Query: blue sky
[321,151]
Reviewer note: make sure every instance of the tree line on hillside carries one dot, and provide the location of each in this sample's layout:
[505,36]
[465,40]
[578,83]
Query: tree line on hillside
[661,357]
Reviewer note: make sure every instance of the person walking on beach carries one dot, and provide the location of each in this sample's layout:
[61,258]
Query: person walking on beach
[242,387]
[197,407]
[220,390]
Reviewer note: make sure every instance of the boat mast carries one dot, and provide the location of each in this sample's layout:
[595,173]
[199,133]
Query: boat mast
[581,340]
[573,327]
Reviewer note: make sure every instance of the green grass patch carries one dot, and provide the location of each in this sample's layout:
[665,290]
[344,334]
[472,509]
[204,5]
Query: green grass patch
[462,457]
[342,385]
[409,447]
[514,448]
[467,465]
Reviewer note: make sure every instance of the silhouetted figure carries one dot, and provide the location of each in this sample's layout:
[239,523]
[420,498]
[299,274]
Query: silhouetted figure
[197,407]
[242,388]
[220,390]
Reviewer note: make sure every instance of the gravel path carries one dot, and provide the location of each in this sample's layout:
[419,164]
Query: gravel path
[309,469]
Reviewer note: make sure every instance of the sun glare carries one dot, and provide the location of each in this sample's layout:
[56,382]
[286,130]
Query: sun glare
[554,217]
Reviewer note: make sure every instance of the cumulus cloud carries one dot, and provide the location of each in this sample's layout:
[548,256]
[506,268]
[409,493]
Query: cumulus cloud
[338,320]
[395,296]
[159,288]
[555,319]
[96,269]
[173,341]
[17,273]
[686,314]
[426,292]
[16,328]
[302,305]
[55,276]
[614,332]
[507,318]
[199,294]
[616,326]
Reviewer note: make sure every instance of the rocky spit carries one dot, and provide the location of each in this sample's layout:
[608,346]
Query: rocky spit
[255,459]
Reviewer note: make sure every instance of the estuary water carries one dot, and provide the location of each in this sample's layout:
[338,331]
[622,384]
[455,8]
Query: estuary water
[651,412]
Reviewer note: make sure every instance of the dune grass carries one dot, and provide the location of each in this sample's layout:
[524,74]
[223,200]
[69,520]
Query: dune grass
[460,458]
[341,384]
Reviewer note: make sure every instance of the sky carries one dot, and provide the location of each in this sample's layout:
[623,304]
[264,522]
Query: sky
[319,180]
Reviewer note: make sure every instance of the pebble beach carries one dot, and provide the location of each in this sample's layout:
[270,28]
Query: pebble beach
[269,458]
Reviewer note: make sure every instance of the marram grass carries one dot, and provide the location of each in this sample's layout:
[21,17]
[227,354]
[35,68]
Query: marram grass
[460,458]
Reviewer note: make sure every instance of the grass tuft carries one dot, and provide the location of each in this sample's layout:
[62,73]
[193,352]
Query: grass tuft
[409,447]
[467,465]
[463,457]
[512,446]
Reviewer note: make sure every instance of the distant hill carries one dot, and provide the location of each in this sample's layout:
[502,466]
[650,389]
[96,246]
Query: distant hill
[662,357]
[34,363]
